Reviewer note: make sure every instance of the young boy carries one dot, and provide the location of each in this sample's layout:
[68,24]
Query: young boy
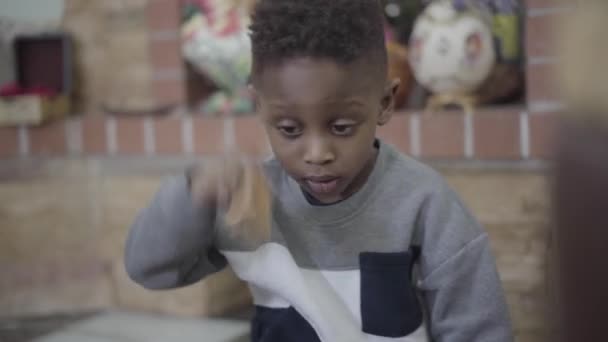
[351,216]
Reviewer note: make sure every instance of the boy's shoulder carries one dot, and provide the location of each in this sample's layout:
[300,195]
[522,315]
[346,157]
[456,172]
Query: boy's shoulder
[403,172]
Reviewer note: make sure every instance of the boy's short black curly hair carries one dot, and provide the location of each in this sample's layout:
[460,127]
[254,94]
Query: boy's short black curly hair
[342,30]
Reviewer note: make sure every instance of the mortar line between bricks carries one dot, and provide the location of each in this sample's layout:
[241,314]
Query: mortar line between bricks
[229,134]
[187,135]
[24,141]
[149,137]
[111,136]
[524,125]
[74,138]
[469,135]
[415,141]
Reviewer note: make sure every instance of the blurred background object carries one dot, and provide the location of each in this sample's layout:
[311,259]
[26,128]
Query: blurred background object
[216,42]
[452,53]
[582,71]
[20,18]
[43,80]
[505,84]
[125,69]
[113,71]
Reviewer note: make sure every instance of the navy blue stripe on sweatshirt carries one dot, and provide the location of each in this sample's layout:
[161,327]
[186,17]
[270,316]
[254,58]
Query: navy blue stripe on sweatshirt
[280,325]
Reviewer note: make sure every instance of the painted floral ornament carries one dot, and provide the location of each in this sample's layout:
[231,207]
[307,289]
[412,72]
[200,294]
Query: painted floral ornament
[451,54]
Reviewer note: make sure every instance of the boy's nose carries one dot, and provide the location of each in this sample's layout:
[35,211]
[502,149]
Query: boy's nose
[318,152]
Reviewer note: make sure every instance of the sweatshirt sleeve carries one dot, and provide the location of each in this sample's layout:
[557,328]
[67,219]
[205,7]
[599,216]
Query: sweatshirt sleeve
[170,244]
[459,280]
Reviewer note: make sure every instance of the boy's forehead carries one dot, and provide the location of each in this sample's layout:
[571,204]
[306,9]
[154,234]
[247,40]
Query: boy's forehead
[309,81]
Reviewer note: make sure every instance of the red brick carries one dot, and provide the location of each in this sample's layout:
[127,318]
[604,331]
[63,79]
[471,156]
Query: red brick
[497,135]
[166,53]
[541,34]
[208,135]
[442,135]
[94,137]
[163,14]
[169,91]
[397,132]
[168,136]
[541,83]
[543,135]
[130,135]
[49,139]
[9,142]
[250,136]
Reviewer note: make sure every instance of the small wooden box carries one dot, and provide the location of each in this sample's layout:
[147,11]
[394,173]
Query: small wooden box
[40,61]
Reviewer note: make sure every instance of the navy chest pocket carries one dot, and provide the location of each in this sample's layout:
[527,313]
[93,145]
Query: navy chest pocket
[389,305]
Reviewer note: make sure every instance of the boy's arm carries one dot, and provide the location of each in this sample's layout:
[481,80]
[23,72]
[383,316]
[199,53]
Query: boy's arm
[171,242]
[459,280]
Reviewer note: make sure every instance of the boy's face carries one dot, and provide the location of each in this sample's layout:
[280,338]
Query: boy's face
[321,120]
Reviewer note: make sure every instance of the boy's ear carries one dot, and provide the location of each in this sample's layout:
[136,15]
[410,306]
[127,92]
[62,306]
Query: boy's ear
[388,102]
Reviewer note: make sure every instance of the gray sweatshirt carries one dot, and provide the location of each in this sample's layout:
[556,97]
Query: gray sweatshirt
[400,260]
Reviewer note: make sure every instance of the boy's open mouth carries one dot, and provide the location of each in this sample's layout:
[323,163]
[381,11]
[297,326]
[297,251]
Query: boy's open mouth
[322,185]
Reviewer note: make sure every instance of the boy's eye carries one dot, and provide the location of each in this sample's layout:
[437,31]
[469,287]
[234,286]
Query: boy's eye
[289,129]
[343,128]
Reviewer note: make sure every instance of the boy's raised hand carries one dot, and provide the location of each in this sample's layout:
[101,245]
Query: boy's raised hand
[237,186]
[213,182]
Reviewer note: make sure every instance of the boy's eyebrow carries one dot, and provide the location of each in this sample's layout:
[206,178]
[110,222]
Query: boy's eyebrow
[354,102]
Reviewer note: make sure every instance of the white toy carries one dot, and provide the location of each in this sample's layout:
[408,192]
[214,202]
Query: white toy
[451,54]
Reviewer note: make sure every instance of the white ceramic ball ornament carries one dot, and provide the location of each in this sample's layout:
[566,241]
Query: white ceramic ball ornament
[451,52]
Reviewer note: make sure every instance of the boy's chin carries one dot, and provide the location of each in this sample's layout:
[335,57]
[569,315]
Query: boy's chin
[328,199]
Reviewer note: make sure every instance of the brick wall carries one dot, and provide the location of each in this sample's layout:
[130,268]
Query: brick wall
[500,133]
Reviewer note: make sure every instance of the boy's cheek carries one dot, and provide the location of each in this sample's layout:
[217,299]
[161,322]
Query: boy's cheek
[274,140]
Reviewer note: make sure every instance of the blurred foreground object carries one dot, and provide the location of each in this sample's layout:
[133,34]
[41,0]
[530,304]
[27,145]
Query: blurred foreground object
[581,189]
[43,68]
[583,69]
[451,53]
